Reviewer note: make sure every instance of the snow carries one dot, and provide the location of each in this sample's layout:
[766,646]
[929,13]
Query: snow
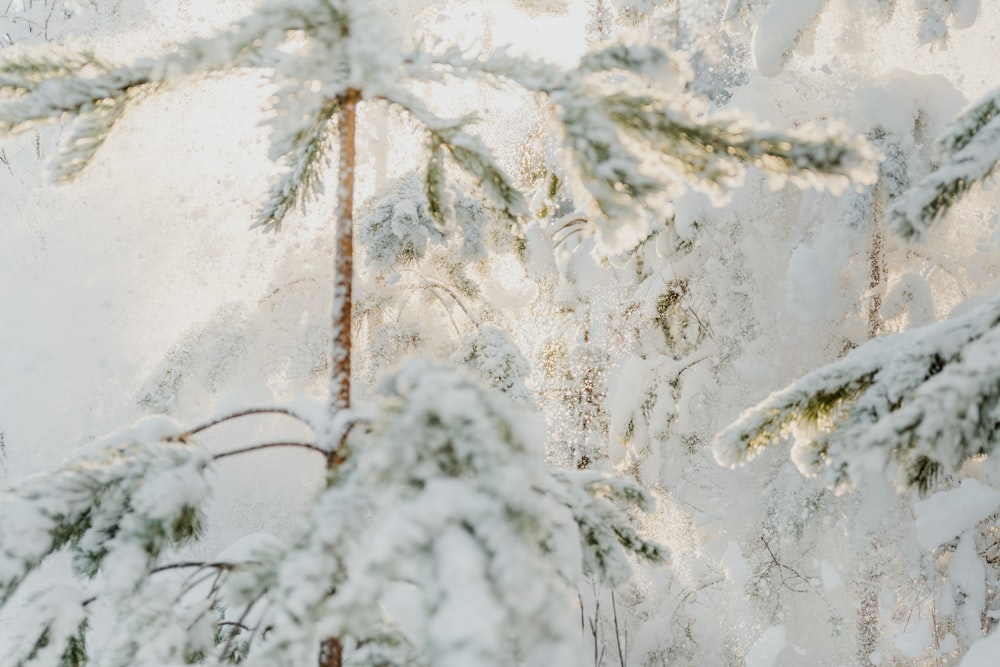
[768,649]
[137,289]
[735,565]
[809,285]
[915,641]
[967,575]
[983,653]
[832,580]
[945,515]
[780,30]
[965,13]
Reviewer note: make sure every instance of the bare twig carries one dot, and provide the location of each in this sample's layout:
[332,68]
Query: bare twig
[48,19]
[194,564]
[571,227]
[618,634]
[236,624]
[242,618]
[269,445]
[430,283]
[781,568]
[244,413]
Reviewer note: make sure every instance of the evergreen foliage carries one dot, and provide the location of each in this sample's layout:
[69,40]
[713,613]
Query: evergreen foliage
[450,472]
[608,125]
[438,499]
[914,404]
[969,150]
[911,404]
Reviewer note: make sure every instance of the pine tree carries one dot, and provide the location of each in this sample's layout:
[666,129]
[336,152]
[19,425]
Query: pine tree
[914,404]
[448,471]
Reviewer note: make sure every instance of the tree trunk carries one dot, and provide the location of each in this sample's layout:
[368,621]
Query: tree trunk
[343,272]
[876,266]
[331,653]
[868,618]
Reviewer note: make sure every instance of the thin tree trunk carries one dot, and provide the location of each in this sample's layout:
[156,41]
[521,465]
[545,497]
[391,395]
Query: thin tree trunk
[340,328]
[331,653]
[868,613]
[868,618]
[876,266]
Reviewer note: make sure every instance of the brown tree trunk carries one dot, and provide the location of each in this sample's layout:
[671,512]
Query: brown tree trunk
[343,271]
[331,653]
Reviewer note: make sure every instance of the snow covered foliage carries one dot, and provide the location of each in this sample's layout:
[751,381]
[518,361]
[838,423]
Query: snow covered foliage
[936,15]
[435,534]
[117,509]
[969,150]
[780,30]
[915,404]
[784,27]
[912,404]
[446,501]
[627,141]
[496,541]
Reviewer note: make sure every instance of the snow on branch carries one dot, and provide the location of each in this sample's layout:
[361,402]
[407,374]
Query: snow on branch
[714,151]
[48,94]
[116,508]
[626,136]
[909,405]
[467,151]
[44,85]
[970,147]
[306,156]
[494,538]
[780,30]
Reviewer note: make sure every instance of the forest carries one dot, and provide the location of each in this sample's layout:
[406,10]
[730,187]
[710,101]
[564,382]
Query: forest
[496,333]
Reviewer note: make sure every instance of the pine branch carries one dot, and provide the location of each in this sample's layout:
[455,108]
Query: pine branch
[54,99]
[307,156]
[606,532]
[467,151]
[713,150]
[23,70]
[971,146]
[964,129]
[85,136]
[634,60]
[911,405]
[472,156]
[99,504]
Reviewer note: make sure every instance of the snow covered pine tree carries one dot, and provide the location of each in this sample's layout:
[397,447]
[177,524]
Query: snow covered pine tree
[438,489]
[914,404]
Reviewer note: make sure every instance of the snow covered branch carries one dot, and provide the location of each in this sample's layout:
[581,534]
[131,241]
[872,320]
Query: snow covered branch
[970,148]
[910,405]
